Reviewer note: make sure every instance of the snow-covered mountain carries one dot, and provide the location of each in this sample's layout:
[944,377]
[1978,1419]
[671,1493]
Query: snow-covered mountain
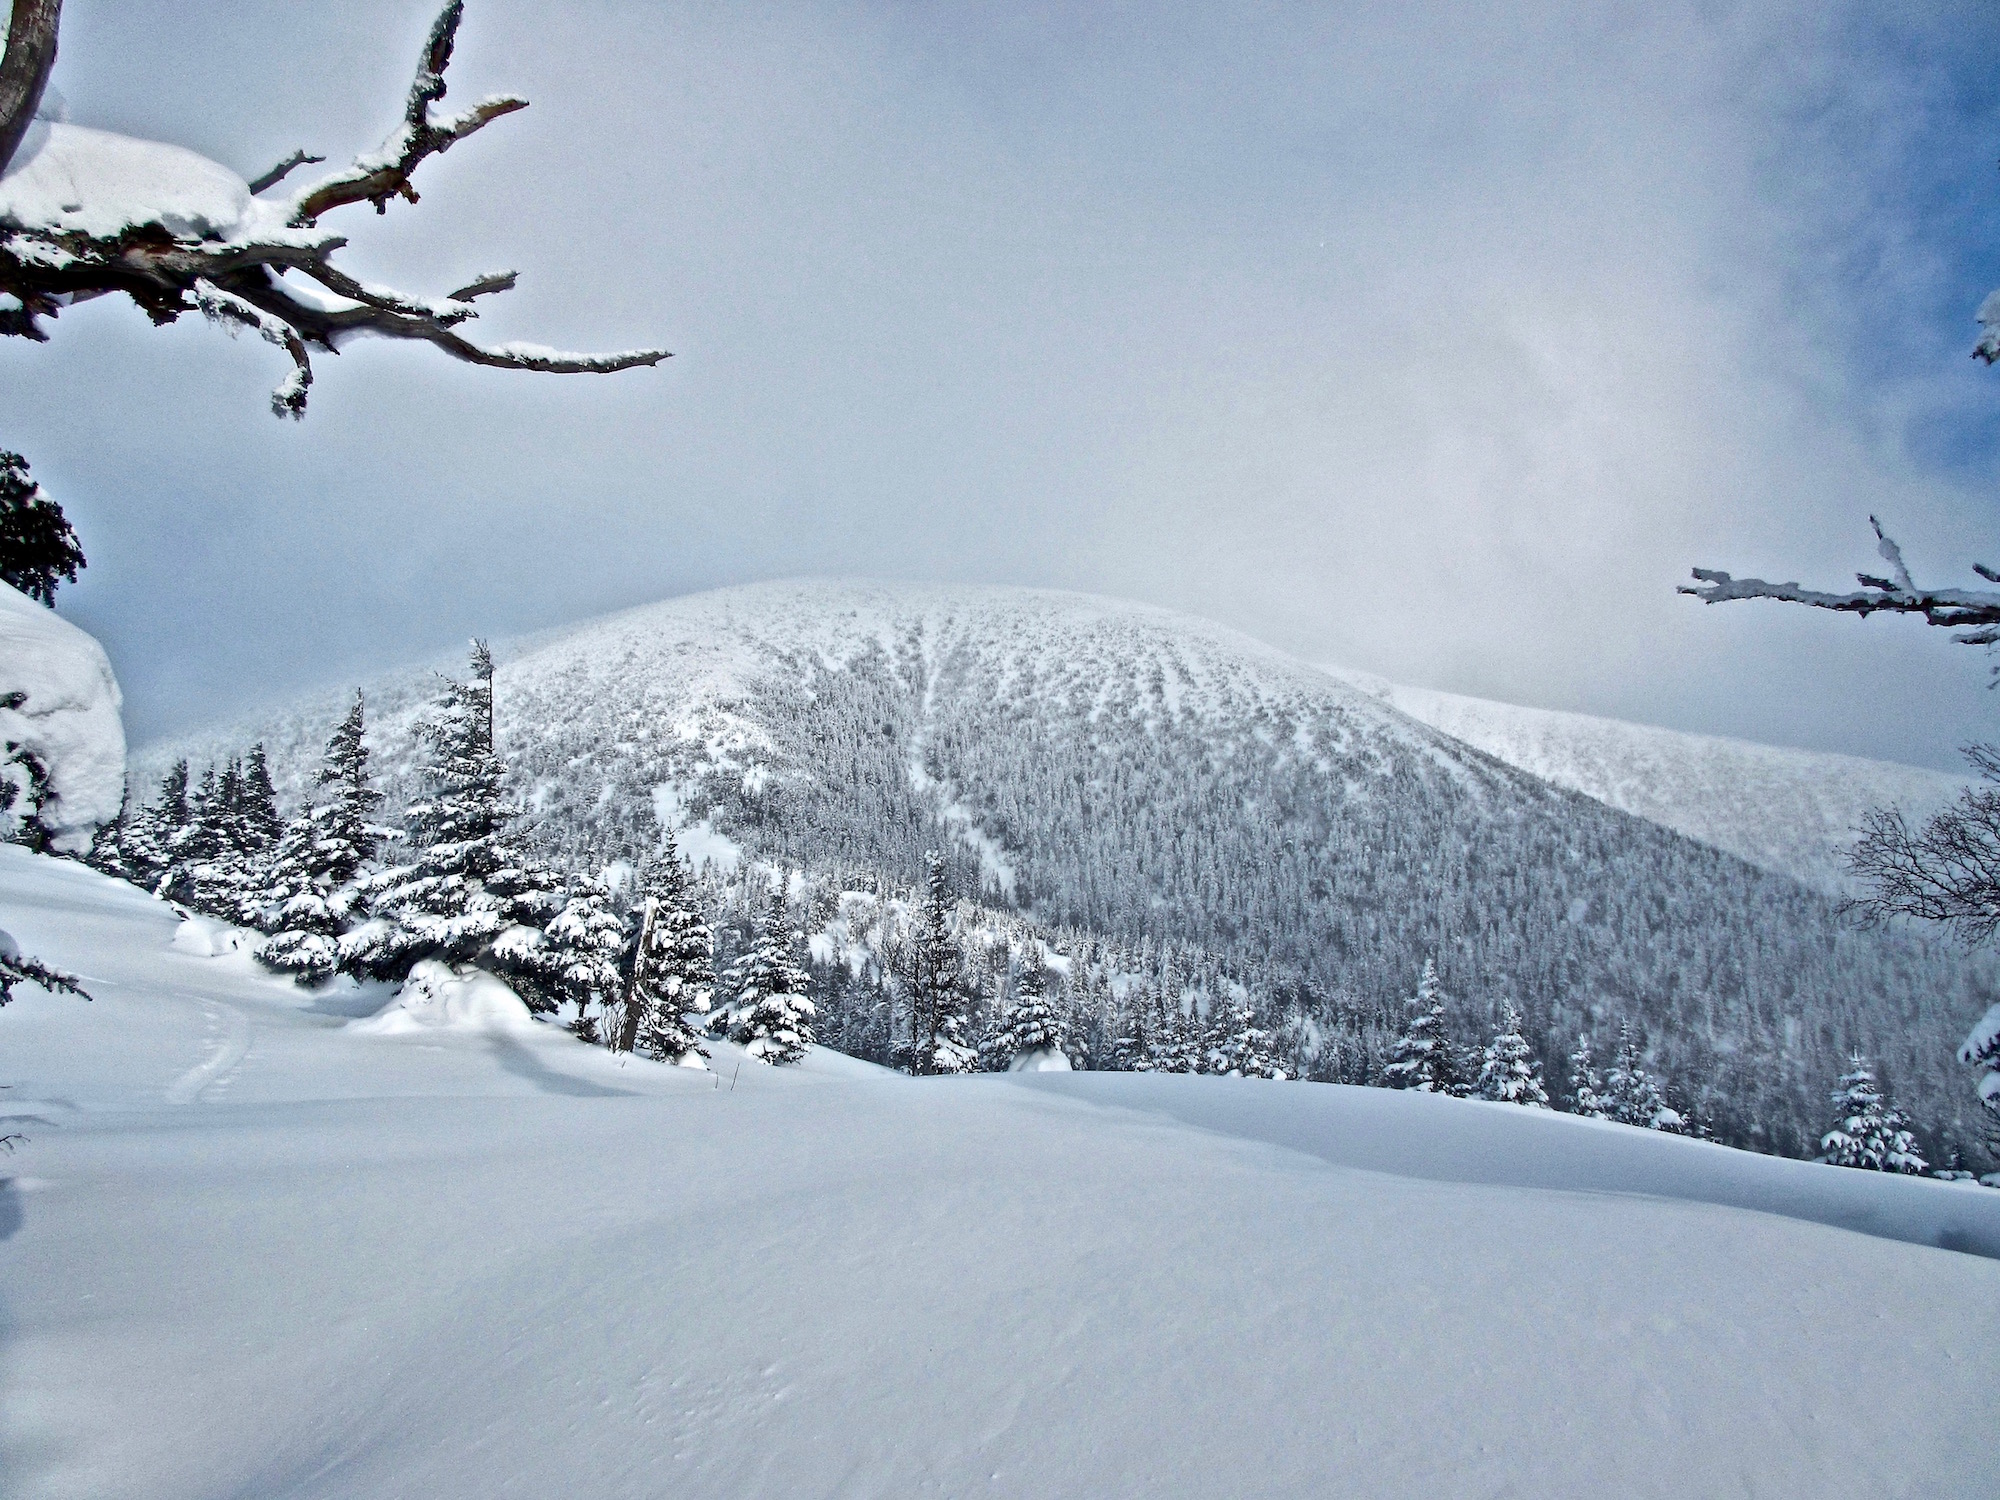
[1792,811]
[1126,771]
[298,1253]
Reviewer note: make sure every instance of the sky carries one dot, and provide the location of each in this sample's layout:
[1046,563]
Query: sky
[1438,342]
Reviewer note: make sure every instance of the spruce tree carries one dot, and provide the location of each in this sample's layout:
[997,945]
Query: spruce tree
[38,547]
[936,970]
[1422,1058]
[671,964]
[1508,1072]
[770,1013]
[1586,1089]
[319,858]
[1866,1132]
[1033,1024]
[444,903]
[1138,1040]
[1245,1047]
[578,959]
[1631,1096]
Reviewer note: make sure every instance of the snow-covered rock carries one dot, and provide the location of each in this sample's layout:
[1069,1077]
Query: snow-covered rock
[441,997]
[67,717]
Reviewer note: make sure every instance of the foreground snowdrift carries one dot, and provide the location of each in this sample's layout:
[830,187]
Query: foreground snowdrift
[297,1259]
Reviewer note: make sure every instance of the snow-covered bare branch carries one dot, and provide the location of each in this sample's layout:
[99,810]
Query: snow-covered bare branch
[1974,611]
[85,212]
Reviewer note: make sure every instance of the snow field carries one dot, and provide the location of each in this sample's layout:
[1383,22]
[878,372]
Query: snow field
[466,1262]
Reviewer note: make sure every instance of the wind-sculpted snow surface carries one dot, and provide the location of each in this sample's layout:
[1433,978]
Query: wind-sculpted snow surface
[1797,812]
[295,1259]
[1136,773]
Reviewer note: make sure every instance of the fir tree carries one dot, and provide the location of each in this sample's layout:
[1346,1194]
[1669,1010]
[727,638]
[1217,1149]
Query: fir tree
[1866,1132]
[1138,1041]
[1508,1072]
[578,959]
[1422,1058]
[769,1013]
[1630,1095]
[672,967]
[313,894]
[458,896]
[1033,1024]
[1586,1089]
[38,547]
[936,969]
[1244,1049]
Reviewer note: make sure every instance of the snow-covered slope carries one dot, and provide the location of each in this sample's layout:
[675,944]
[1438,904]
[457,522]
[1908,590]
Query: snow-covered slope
[1136,773]
[1792,811]
[251,1249]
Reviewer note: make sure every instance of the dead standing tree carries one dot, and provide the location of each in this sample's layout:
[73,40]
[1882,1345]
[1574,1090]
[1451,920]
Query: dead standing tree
[85,212]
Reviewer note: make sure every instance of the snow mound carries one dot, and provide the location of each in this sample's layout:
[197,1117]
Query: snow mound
[1795,812]
[67,717]
[438,997]
[1047,1060]
[204,937]
[73,179]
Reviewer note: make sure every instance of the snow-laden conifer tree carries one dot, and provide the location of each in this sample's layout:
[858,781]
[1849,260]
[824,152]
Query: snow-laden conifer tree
[1982,1050]
[1630,1094]
[936,993]
[314,896]
[671,964]
[456,898]
[1422,1058]
[769,1012]
[578,959]
[1244,1048]
[1586,1088]
[1866,1132]
[1032,1035]
[1508,1072]
[38,548]
[139,851]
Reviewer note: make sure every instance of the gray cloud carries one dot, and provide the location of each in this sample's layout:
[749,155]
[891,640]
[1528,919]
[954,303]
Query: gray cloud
[1438,344]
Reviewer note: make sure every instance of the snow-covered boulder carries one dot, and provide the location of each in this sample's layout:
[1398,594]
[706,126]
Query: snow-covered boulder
[64,714]
[440,997]
[1043,1060]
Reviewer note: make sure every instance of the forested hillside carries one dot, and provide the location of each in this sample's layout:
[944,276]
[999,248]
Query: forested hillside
[1176,806]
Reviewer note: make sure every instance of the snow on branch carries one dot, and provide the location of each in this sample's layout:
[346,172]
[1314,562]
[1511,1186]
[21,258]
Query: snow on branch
[86,212]
[1974,611]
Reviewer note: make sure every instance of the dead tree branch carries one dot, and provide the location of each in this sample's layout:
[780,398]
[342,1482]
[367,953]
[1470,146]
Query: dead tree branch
[248,262]
[24,70]
[1973,611]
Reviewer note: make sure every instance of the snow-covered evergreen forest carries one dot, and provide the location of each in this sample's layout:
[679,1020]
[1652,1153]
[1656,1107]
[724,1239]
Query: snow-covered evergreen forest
[1215,858]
